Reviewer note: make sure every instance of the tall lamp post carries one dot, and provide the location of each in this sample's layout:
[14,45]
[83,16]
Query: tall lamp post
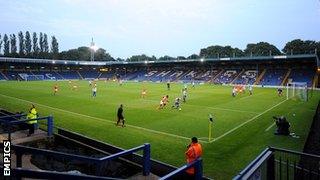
[93,48]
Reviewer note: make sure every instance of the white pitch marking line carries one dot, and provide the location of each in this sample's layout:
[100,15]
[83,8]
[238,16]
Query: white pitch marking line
[242,124]
[270,127]
[103,120]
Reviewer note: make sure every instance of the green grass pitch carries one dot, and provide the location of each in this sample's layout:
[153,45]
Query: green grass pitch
[242,125]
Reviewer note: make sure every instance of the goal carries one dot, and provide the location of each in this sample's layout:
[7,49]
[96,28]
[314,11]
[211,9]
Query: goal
[297,90]
[34,77]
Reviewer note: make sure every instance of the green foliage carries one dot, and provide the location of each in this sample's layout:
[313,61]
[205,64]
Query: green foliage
[220,52]
[41,43]
[181,57]
[299,46]
[39,48]
[45,44]
[194,56]
[54,47]
[166,58]
[35,44]
[84,53]
[13,44]
[141,57]
[261,49]
[0,43]
[6,45]
[28,46]
[102,55]
[21,44]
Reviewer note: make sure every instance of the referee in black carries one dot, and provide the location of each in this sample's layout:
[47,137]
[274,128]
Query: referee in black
[120,115]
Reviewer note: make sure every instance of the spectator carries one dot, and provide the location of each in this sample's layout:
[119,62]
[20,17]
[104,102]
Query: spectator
[194,152]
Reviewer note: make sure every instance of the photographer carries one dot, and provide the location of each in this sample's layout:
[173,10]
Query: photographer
[282,126]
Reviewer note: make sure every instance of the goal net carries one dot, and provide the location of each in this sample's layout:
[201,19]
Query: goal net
[34,77]
[297,90]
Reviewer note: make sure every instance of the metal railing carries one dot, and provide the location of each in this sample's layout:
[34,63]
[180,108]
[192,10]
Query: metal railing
[16,121]
[99,162]
[277,163]
[197,164]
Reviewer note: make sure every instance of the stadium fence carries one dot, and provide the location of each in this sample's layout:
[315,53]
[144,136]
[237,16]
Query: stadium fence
[276,163]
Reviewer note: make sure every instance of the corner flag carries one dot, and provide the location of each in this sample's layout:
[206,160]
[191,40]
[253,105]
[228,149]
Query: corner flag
[210,126]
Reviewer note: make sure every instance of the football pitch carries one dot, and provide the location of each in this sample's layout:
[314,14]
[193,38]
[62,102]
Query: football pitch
[242,126]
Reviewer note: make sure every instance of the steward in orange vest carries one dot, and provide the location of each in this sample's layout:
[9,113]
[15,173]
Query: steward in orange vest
[194,151]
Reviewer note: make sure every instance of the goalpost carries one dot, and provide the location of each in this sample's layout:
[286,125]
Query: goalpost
[297,90]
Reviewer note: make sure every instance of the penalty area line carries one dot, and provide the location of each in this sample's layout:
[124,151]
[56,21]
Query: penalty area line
[104,120]
[242,124]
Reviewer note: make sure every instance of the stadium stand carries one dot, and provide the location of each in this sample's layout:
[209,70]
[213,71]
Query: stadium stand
[247,77]
[273,77]
[92,74]
[301,75]
[2,76]
[227,76]
[69,75]
[265,71]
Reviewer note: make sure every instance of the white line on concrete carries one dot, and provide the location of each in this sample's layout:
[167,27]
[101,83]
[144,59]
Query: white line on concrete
[242,124]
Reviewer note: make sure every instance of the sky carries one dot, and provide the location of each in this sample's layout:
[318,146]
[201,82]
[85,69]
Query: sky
[163,27]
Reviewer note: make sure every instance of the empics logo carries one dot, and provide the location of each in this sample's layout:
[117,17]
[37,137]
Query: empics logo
[6,158]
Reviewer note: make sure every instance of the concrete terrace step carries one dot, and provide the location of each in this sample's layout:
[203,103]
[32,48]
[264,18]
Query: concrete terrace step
[19,137]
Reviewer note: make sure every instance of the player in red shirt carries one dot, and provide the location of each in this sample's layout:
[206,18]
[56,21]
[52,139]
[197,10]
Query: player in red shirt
[144,93]
[55,89]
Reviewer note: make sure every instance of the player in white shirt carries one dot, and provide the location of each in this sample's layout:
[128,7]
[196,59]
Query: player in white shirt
[177,104]
[234,91]
[184,95]
[94,91]
[250,90]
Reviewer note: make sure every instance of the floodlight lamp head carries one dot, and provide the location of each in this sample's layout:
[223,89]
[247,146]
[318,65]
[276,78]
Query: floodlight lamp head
[94,48]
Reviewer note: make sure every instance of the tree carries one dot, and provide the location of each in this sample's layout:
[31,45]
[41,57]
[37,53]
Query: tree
[101,55]
[0,43]
[13,43]
[141,57]
[193,56]
[72,54]
[28,45]
[181,57]
[83,53]
[41,43]
[220,52]
[165,58]
[261,49]
[54,47]
[35,44]
[6,45]
[21,44]
[45,44]
[298,46]
[120,59]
